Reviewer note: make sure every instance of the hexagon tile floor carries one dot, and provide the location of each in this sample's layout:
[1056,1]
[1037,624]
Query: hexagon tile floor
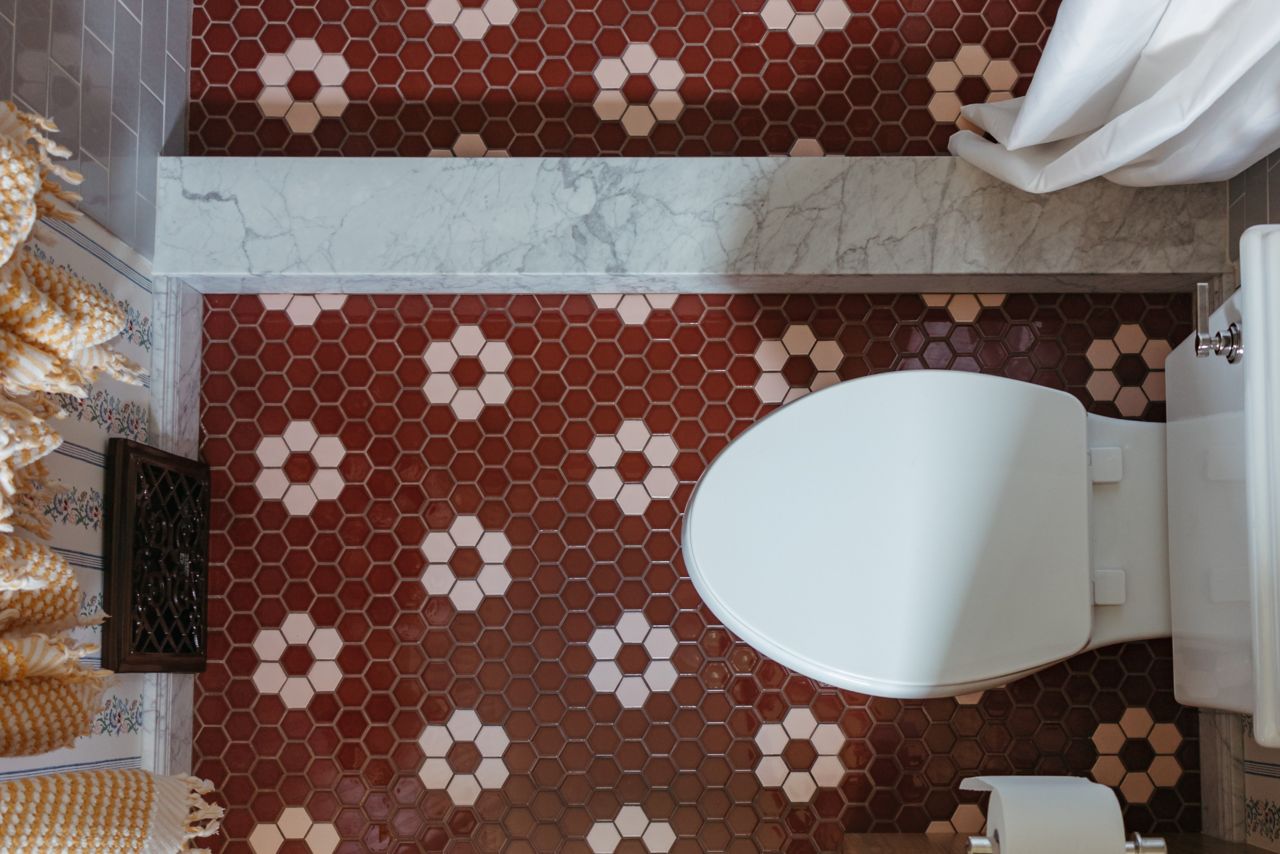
[448,609]
[631,77]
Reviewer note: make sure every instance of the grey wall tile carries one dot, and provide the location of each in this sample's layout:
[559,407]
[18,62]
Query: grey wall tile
[176,89]
[64,109]
[154,33]
[126,75]
[178,27]
[1273,191]
[67,34]
[95,100]
[1235,189]
[145,227]
[31,54]
[150,141]
[94,191]
[123,181]
[1255,194]
[1235,228]
[113,75]
[1253,198]
[6,58]
[100,19]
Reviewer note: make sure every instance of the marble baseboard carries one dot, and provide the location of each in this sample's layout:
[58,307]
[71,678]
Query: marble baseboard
[167,745]
[1222,782]
[693,284]
[175,427]
[175,366]
[667,224]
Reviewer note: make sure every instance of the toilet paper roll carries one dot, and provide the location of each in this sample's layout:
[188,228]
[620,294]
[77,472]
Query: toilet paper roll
[1050,815]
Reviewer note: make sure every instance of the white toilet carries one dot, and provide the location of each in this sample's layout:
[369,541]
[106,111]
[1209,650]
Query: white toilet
[933,533]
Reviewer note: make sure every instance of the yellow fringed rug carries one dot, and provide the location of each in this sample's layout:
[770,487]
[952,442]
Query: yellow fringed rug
[27,188]
[38,588]
[47,698]
[45,713]
[105,812]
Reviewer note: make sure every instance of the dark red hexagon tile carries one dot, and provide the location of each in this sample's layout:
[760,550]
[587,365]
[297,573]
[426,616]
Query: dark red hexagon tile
[619,77]
[448,608]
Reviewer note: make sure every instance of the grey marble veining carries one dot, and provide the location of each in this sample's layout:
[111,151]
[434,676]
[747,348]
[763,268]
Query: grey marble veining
[175,412]
[1222,779]
[175,371]
[832,223]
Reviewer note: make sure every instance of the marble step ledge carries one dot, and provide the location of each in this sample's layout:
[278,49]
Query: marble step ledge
[772,224]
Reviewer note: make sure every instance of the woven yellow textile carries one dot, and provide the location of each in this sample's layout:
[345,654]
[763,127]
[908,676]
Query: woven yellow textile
[93,362]
[49,600]
[30,312]
[27,190]
[24,480]
[39,404]
[20,180]
[32,491]
[104,812]
[26,368]
[40,654]
[53,330]
[91,316]
[24,438]
[45,713]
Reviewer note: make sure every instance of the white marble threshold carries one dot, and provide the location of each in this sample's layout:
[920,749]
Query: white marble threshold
[668,225]
[381,283]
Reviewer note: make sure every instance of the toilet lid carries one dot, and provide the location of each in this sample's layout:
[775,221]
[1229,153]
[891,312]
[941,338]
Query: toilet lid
[914,534]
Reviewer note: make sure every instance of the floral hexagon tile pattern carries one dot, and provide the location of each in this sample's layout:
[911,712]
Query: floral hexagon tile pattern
[294,825]
[615,77]
[478,643]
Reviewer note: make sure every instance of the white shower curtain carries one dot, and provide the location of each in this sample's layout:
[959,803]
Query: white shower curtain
[1142,92]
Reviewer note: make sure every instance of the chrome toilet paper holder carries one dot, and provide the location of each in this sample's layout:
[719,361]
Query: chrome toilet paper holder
[1136,844]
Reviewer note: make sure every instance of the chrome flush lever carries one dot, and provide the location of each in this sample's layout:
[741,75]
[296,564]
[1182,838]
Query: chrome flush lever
[1228,343]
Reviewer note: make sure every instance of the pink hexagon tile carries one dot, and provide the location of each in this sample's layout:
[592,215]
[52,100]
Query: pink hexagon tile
[299,467]
[294,825]
[633,466]
[631,823]
[632,659]
[800,755]
[468,584]
[297,661]
[1128,369]
[302,309]
[795,364]
[1137,755]
[302,85]
[464,757]
[467,372]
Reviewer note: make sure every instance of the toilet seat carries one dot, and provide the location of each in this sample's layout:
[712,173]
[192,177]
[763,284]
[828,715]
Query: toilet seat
[848,538]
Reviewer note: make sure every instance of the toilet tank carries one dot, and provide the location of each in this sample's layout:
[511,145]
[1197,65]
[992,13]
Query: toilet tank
[1224,503]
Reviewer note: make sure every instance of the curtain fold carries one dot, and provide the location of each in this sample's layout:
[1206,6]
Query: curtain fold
[1141,92]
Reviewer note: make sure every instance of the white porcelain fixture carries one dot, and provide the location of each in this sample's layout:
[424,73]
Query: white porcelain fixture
[932,533]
